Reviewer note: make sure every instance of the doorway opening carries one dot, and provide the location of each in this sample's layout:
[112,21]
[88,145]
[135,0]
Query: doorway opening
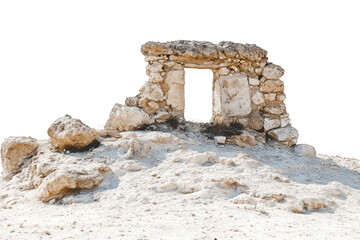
[198,95]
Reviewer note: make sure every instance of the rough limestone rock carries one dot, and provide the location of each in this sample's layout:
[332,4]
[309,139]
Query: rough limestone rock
[64,181]
[286,136]
[204,50]
[124,118]
[14,152]
[308,204]
[246,139]
[71,133]
[305,150]
[270,123]
[272,86]
[273,71]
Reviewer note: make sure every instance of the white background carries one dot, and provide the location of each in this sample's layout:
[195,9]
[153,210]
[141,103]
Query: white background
[82,57]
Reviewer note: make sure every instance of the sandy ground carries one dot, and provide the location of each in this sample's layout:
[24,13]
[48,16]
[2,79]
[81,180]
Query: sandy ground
[180,185]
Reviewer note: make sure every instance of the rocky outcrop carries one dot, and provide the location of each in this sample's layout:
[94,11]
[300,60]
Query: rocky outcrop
[14,152]
[70,133]
[124,118]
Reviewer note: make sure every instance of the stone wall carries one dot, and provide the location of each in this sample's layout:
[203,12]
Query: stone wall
[246,87]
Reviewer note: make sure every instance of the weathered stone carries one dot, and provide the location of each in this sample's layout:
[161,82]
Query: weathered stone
[14,152]
[305,150]
[258,71]
[254,81]
[220,139]
[153,92]
[67,132]
[193,51]
[256,122]
[287,136]
[224,71]
[153,105]
[272,86]
[124,118]
[176,76]
[235,95]
[162,116]
[273,71]
[155,67]
[257,98]
[280,97]
[156,77]
[275,110]
[271,123]
[131,101]
[284,122]
[246,139]
[270,96]
[62,182]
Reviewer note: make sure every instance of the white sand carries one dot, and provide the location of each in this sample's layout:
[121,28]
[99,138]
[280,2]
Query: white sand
[183,186]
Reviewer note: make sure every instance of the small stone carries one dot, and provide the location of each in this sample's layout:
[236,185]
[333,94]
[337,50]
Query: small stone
[131,101]
[257,98]
[272,86]
[153,105]
[280,97]
[246,139]
[220,139]
[156,77]
[156,67]
[275,110]
[273,71]
[284,122]
[270,96]
[162,116]
[286,136]
[153,92]
[305,150]
[271,123]
[224,71]
[254,81]
[258,71]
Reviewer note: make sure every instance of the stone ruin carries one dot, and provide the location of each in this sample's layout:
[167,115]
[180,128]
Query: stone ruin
[246,88]
[247,93]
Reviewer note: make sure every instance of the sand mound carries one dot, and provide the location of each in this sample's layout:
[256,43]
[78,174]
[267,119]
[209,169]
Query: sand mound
[180,185]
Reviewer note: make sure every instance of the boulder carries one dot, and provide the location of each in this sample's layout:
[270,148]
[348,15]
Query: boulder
[70,133]
[64,181]
[305,150]
[287,136]
[124,118]
[14,152]
[273,71]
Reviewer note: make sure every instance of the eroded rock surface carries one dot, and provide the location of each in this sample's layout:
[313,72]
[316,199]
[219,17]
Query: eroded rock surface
[62,182]
[70,133]
[14,152]
[286,136]
[124,118]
